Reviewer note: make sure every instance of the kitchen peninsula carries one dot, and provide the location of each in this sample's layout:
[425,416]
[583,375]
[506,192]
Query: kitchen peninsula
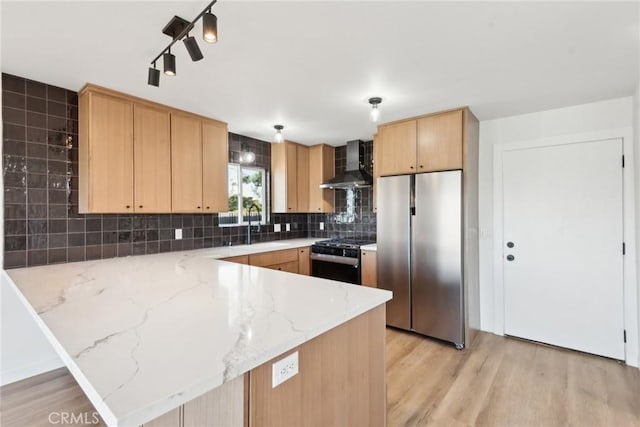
[189,338]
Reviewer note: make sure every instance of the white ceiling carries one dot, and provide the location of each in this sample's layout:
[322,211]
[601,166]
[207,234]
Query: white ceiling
[311,66]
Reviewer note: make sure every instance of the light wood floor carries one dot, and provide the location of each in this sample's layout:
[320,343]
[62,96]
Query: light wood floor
[497,382]
[505,382]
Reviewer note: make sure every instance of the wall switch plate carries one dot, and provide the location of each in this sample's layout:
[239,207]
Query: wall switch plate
[288,227]
[277,228]
[322,226]
[284,369]
[178,234]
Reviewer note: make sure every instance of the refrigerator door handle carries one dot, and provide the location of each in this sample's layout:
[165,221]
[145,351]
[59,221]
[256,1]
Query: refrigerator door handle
[413,211]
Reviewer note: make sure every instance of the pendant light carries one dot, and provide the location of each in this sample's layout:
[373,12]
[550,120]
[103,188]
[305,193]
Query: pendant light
[278,138]
[154,76]
[169,63]
[374,114]
[210,27]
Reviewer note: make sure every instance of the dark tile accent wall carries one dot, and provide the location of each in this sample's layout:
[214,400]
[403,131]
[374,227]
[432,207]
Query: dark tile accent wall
[354,217]
[40,166]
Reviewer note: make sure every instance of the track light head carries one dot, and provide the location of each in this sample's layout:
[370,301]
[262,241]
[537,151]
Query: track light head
[169,63]
[153,78]
[210,27]
[192,47]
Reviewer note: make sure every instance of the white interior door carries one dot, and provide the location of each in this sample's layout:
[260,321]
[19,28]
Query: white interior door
[563,214]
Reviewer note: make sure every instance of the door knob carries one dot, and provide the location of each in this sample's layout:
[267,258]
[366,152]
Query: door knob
[510,257]
[510,244]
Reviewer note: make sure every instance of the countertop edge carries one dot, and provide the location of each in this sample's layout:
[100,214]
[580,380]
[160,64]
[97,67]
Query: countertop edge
[107,415]
[208,384]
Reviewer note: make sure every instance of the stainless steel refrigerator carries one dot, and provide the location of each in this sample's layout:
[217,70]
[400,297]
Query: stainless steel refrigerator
[420,252]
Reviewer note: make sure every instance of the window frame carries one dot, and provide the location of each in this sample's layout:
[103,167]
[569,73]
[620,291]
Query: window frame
[240,216]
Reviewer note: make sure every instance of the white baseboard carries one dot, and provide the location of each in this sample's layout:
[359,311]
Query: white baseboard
[30,370]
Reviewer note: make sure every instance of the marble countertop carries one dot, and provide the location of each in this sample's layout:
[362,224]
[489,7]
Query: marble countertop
[370,247]
[143,335]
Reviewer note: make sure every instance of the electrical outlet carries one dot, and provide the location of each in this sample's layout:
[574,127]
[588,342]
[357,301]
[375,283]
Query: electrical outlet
[284,369]
[277,228]
[322,226]
[178,233]
[288,227]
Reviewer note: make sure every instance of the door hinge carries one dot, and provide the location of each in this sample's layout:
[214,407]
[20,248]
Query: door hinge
[624,335]
[623,160]
[624,248]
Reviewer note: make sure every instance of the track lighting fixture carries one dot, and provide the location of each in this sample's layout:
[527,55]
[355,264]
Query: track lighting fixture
[169,63]
[178,29]
[154,76]
[278,138]
[210,27]
[374,114]
[192,47]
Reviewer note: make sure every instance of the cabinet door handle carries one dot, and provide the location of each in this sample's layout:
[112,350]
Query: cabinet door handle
[198,207]
[140,206]
[421,166]
[208,207]
[128,207]
[411,167]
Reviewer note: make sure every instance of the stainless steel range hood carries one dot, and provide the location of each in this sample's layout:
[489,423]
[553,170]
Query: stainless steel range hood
[354,175]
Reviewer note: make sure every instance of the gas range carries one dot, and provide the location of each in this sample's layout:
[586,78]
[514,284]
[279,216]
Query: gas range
[344,243]
[337,259]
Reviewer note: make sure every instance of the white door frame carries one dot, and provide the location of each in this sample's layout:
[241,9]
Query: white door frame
[630,284]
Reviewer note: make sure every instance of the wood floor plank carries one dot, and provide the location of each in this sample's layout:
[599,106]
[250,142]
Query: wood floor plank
[498,381]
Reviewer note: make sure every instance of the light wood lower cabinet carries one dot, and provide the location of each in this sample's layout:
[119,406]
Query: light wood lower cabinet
[369,268]
[341,382]
[304,261]
[289,260]
[242,259]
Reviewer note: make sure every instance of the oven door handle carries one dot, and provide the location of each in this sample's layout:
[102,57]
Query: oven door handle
[335,259]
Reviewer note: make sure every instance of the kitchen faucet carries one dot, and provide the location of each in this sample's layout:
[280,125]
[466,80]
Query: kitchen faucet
[253,205]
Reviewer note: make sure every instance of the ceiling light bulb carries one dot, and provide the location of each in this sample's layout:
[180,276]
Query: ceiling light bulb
[374,114]
[210,27]
[278,136]
[169,63]
[249,157]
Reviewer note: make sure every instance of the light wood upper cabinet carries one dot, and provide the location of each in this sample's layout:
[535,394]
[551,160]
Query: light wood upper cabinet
[302,178]
[289,191]
[398,145]
[376,169]
[215,154]
[321,169]
[186,163]
[139,156]
[425,144]
[152,159]
[440,142]
[296,174]
[105,154]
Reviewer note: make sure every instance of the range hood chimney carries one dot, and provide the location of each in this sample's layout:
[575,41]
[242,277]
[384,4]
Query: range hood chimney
[354,175]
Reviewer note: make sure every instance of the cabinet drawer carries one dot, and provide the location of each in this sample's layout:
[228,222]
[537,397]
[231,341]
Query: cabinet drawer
[275,257]
[291,267]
